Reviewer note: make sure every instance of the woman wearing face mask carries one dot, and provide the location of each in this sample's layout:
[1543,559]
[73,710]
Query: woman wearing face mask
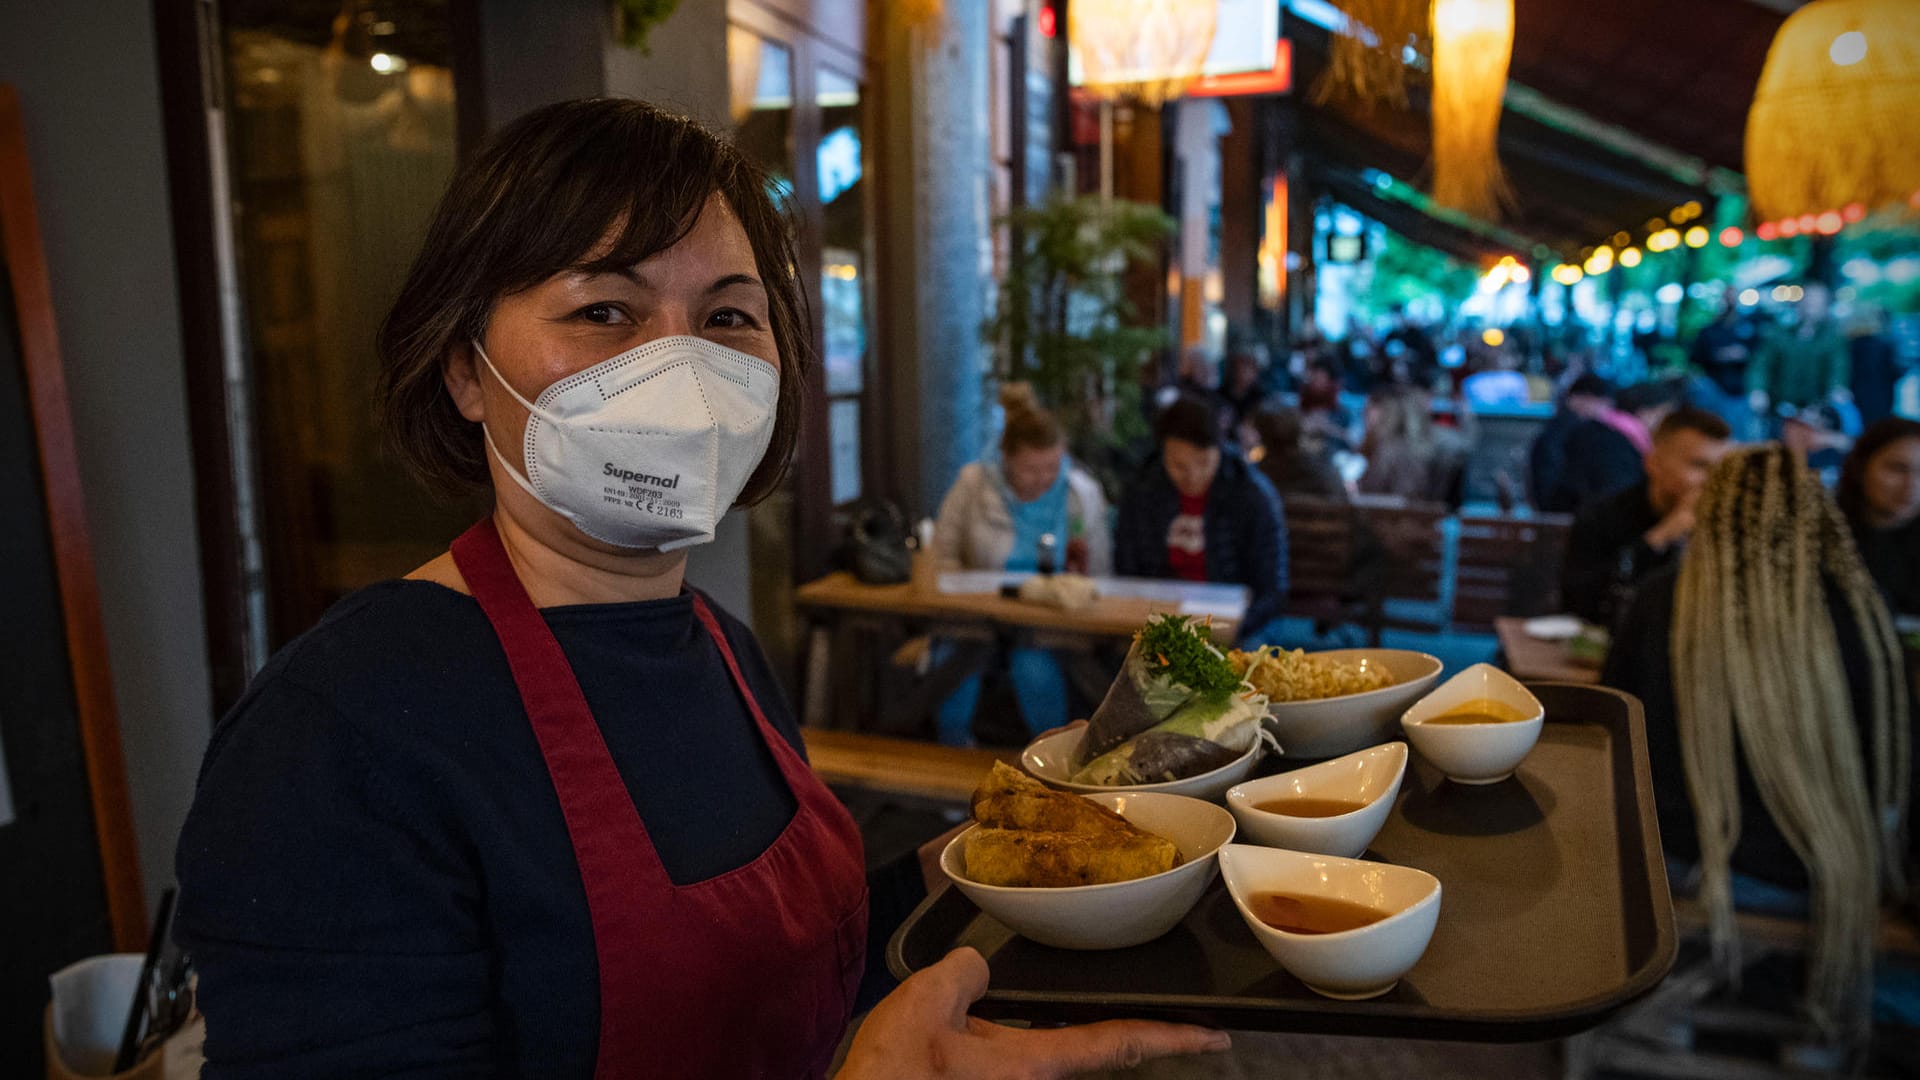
[999,515]
[538,809]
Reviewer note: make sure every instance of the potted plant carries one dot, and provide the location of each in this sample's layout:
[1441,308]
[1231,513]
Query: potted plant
[1062,320]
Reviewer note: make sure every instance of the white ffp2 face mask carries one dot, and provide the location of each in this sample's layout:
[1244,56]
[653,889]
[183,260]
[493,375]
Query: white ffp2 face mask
[650,448]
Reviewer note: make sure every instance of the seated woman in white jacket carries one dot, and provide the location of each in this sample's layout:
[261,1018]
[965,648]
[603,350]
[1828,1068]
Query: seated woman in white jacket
[993,518]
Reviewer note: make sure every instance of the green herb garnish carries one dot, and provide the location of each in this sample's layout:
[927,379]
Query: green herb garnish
[1176,646]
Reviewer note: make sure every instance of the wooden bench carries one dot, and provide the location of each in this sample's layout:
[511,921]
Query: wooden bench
[1898,937]
[1409,568]
[905,767]
[1507,566]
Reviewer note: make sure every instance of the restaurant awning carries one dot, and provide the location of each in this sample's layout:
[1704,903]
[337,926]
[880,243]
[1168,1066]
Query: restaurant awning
[1571,190]
[1680,73]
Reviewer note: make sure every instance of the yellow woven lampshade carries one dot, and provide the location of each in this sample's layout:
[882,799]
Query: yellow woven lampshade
[1148,50]
[1367,60]
[1472,45]
[1833,118]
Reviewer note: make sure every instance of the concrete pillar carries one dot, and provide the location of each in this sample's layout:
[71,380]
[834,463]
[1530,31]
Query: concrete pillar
[935,240]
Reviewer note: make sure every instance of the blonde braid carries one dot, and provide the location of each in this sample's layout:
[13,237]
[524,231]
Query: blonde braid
[1755,651]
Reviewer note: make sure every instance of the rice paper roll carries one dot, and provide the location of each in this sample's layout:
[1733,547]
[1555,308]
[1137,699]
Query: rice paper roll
[1207,732]
[1135,702]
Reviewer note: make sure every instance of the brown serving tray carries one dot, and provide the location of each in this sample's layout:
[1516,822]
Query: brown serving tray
[1555,911]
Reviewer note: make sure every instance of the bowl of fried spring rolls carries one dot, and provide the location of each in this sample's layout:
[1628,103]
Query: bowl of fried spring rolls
[1085,871]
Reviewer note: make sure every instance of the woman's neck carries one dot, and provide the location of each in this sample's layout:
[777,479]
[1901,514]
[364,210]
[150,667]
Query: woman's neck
[557,568]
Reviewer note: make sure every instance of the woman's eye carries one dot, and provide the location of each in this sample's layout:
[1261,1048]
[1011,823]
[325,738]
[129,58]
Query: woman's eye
[602,314]
[732,319]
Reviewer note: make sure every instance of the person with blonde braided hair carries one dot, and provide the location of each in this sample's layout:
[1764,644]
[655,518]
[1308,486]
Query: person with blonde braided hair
[1778,718]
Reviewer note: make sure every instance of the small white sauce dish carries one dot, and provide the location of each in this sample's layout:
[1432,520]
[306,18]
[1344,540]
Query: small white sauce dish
[1352,964]
[1049,759]
[1327,727]
[1122,913]
[1370,778]
[1475,753]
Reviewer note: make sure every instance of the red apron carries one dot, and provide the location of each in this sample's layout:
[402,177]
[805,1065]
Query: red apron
[751,973]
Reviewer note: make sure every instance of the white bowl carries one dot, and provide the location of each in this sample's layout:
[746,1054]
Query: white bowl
[1049,759]
[1122,913]
[1340,725]
[1371,777]
[1476,753]
[1353,964]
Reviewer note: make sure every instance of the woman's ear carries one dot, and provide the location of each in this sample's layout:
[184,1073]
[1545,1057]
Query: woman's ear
[461,372]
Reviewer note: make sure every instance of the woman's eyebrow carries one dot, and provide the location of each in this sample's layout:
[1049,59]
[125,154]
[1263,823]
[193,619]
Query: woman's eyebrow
[732,280]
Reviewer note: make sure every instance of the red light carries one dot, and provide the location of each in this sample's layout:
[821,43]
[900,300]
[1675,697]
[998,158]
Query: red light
[1767,231]
[1049,22]
[1731,237]
[1809,222]
[1829,223]
[1790,227]
[1853,212]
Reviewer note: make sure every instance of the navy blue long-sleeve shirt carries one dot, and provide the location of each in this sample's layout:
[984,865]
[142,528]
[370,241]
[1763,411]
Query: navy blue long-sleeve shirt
[376,878]
[1246,536]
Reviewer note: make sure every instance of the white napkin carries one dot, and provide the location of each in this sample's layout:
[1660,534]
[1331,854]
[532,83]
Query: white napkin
[90,1002]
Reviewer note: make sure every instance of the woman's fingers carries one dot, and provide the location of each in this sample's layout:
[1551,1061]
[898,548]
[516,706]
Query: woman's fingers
[949,987]
[1114,1044]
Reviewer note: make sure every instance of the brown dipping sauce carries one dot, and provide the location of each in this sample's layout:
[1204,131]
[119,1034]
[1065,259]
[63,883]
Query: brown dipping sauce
[1479,712]
[1298,914]
[1306,806]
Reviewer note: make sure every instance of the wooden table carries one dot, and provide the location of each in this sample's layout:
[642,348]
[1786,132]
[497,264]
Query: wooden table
[970,605]
[1533,660]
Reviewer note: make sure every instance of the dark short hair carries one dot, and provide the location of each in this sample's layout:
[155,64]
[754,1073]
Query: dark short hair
[542,197]
[1851,492]
[1647,395]
[1279,429]
[1190,420]
[1591,386]
[1689,418]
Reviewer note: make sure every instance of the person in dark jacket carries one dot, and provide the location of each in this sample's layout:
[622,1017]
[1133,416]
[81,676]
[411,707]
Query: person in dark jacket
[1604,453]
[1293,464]
[1880,495]
[1876,366]
[1586,398]
[1626,537]
[1197,514]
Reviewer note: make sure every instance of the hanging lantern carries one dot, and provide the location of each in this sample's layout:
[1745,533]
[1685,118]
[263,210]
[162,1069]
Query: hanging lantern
[1472,45]
[918,12]
[1148,50]
[1367,58]
[1832,118]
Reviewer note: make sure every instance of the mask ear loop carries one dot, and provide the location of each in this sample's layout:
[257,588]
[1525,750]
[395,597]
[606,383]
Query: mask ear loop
[486,432]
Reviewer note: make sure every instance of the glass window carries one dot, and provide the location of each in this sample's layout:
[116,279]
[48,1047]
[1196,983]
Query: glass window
[843,420]
[840,162]
[760,85]
[340,135]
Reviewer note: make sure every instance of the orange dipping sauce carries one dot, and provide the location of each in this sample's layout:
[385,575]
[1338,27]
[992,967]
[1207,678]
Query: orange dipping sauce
[1307,806]
[1296,914]
[1479,712]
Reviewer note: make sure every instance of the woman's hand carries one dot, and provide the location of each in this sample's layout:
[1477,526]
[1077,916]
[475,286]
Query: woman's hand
[923,1030]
